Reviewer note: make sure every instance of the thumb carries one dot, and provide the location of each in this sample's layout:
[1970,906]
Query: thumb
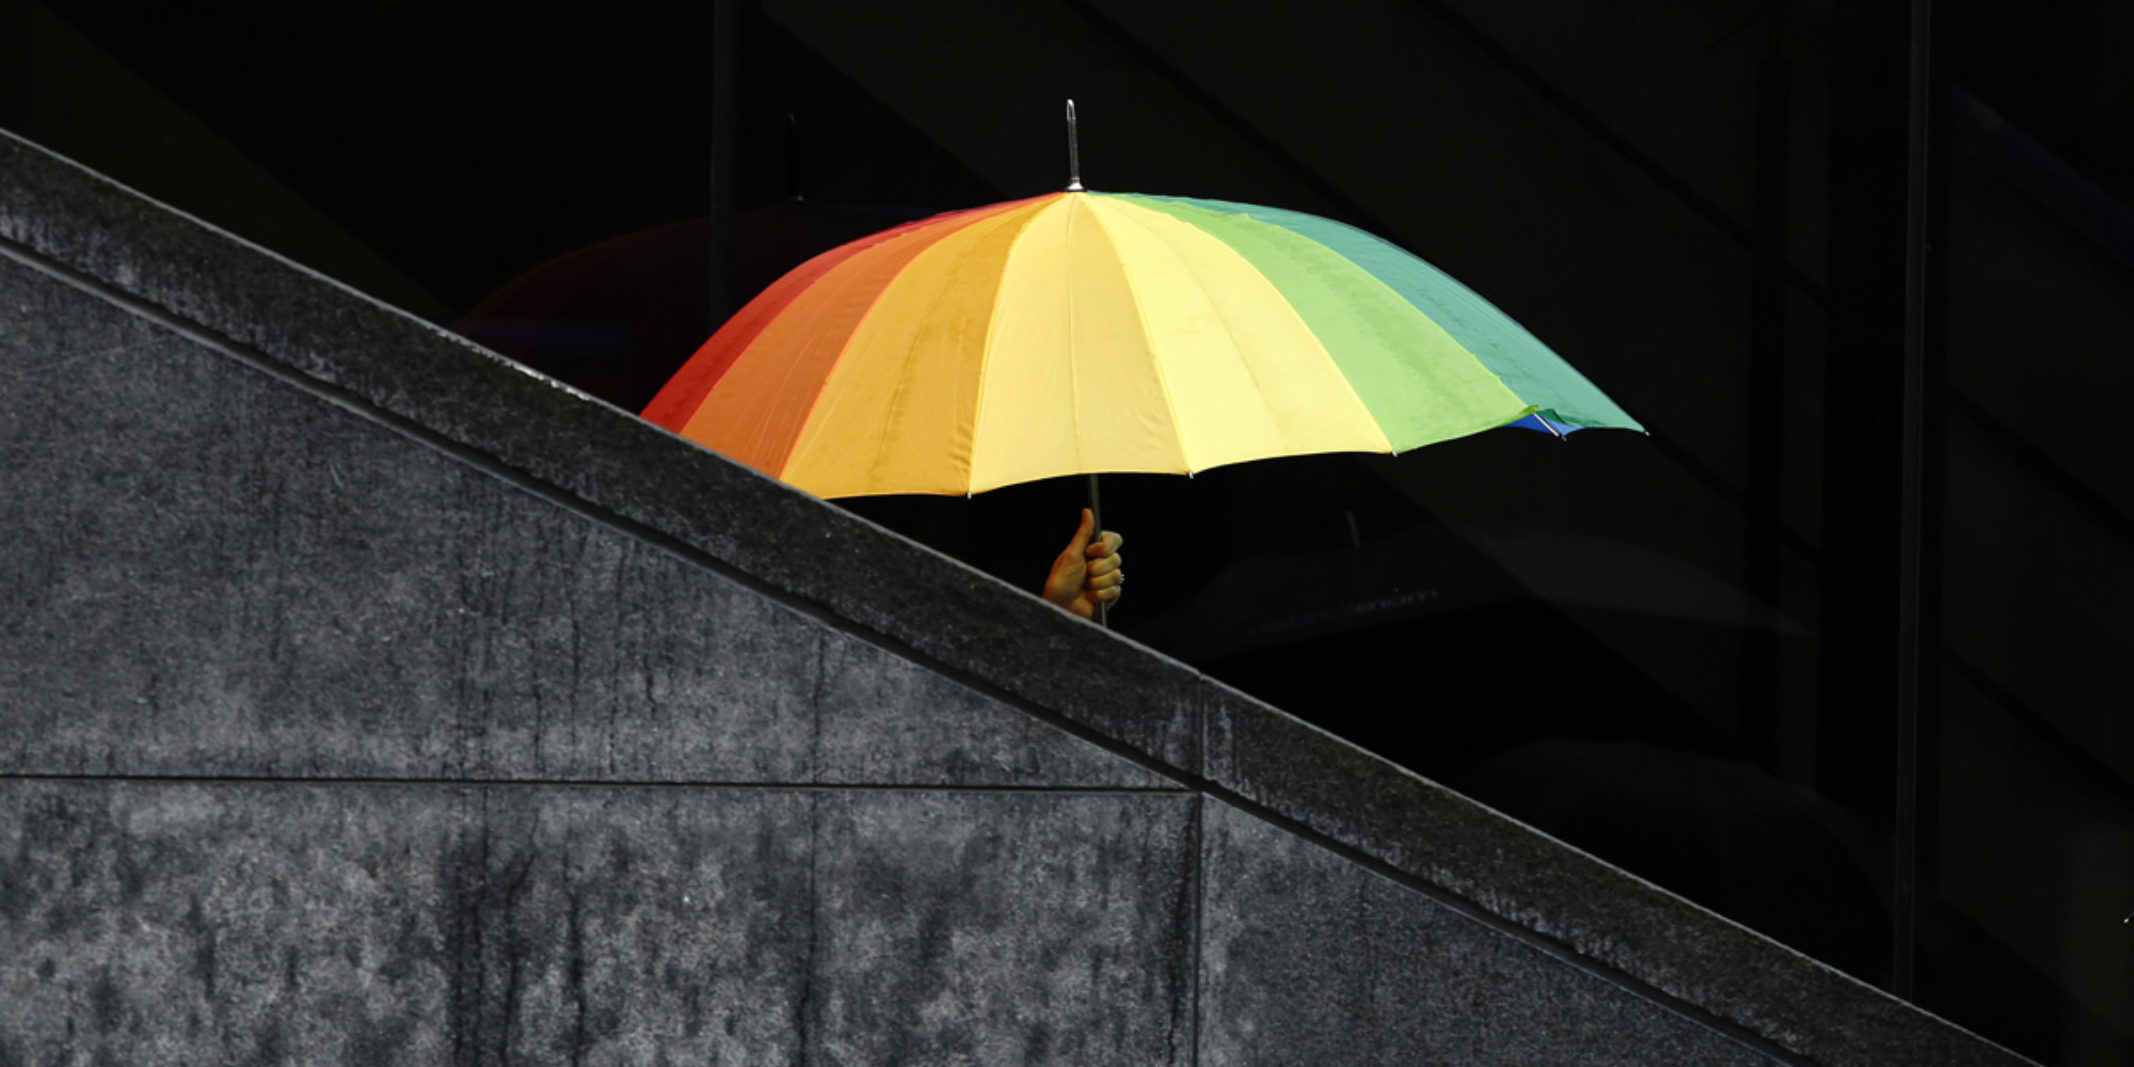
[1081,535]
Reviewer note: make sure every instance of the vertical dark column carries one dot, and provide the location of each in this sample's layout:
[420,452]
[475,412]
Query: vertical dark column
[726,31]
[1765,426]
[1881,458]
[18,41]
[1919,579]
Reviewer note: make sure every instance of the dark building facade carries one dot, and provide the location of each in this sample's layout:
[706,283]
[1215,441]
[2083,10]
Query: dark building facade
[1833,652]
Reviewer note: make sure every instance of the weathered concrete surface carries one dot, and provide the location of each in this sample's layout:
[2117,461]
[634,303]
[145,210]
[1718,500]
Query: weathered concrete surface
[371,643]
[1003,928]
[287,589]
[404,369]
[1309,958]
[1291,769]
[383,924]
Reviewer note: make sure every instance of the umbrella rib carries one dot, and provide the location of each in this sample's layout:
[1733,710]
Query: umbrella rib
[903,380]
[1258,387]
[1074,363]
[1023,221]
[1148,341]
[891,344]
[985,368]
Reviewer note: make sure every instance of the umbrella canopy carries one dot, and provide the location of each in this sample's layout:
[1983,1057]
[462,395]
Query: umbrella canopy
[1085,332]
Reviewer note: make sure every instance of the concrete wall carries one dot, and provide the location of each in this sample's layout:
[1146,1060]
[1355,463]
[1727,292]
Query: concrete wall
[365,699]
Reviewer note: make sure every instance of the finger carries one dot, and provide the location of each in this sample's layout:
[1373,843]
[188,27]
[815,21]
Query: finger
[1106,595]
[1105,564]
[1080,544]
[1105,581]
[1106,544]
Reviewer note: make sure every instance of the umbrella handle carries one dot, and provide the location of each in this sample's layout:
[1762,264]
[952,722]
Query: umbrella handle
[1096,520]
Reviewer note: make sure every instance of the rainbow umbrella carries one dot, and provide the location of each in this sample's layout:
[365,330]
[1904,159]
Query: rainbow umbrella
[1084,332]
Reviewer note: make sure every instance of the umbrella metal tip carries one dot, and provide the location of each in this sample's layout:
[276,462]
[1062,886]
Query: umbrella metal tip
[1074,152]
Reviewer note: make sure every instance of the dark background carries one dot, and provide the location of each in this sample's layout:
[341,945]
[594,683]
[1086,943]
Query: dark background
[1836,650]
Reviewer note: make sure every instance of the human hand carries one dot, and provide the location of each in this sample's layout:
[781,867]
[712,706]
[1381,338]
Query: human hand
[1088,571]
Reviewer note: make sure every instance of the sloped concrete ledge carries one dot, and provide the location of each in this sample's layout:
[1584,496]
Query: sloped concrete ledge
[1446,844]
[442,387]
[1170,719]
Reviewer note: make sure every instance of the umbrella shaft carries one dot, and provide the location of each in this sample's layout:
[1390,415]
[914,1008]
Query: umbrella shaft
[1096,522]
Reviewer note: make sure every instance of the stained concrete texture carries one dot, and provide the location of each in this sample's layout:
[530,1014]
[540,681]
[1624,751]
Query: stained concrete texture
[1291,770]
[285,588]
[1309,958]
[339,340]
[398,923]
[366,698]
[1003,928]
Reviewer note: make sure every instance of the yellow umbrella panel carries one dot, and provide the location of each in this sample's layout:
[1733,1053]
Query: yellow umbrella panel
[1086,332]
